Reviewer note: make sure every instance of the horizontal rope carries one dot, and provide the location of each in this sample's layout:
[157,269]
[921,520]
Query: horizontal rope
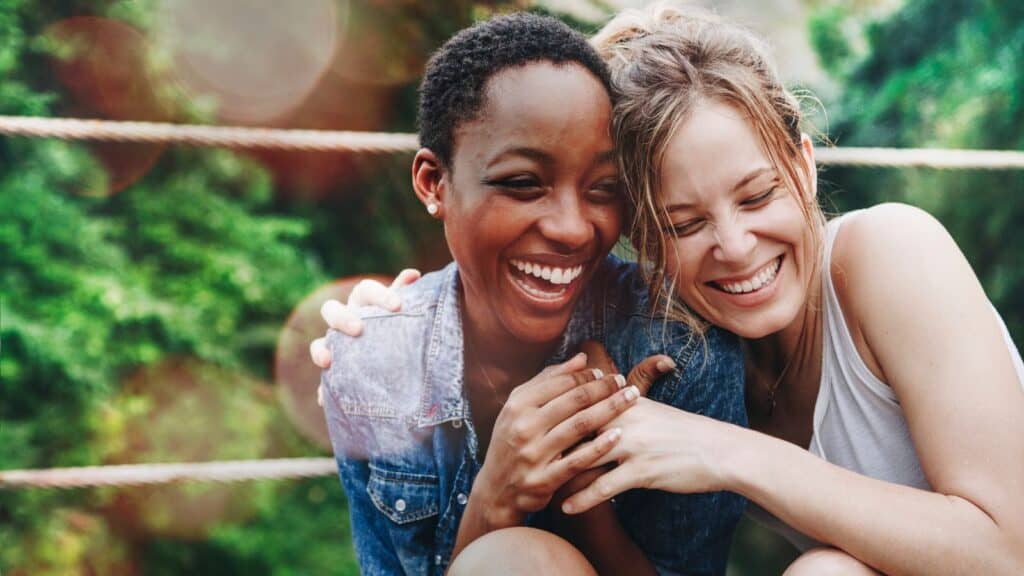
[195,135]
[383,142]
[922,158]
[136,474]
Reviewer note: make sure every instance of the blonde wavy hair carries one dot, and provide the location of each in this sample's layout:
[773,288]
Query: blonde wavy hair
[665,60]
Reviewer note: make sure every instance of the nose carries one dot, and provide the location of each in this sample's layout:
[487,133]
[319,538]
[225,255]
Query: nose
[567,223]
[734,242]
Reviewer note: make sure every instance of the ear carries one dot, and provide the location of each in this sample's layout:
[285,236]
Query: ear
[430,181]
[810,168]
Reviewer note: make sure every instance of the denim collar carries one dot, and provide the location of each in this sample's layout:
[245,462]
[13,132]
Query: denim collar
[442,399]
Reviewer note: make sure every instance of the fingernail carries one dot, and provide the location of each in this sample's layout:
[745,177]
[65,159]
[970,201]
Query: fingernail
[614,434]
[568,508]
[597,373]
[582,355]
[632,393]
[351,326]
[393,302]
[620,380]
[666,365]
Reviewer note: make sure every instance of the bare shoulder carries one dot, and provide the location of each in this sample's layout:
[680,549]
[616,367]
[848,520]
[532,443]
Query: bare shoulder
[889,242]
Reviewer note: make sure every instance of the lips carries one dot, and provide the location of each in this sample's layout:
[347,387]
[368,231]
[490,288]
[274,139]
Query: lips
[545,283]
[752,282]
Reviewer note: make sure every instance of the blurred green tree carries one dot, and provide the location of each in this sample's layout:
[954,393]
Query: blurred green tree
[143,290]
[944,74]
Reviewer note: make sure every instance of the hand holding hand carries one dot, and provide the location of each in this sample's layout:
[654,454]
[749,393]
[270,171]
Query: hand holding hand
[529,456]
[661,448]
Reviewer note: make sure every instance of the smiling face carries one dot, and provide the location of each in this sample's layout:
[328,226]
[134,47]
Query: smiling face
[743,254]
[531,202]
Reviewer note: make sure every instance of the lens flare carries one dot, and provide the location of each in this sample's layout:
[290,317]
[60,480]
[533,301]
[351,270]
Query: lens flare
[183,410]
[257,59]
[104,65]
[295,374]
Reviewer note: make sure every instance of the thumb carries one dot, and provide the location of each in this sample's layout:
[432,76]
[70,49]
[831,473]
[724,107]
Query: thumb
[597,357]
[648,370]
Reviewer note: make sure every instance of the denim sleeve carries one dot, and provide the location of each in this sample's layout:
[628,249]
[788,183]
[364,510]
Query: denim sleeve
[692,533]
[679,533]
[374,548]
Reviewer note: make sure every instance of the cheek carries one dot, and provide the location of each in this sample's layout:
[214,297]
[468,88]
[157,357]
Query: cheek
[608,221]
[682,264]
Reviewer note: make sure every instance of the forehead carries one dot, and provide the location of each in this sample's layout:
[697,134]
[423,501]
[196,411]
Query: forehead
[543,105]
[711,151]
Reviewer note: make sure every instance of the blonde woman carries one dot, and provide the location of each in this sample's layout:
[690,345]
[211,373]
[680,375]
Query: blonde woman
[883,390]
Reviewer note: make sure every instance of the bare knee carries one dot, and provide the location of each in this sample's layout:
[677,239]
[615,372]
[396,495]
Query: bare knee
[828,562]
[522,551]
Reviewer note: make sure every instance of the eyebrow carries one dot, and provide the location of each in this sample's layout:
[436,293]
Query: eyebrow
[753,175]
[542,156]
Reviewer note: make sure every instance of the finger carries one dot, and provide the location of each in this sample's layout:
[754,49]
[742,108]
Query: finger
[597,357]
[320,395]
[405,278]
[320,354]
[544,388]
[339,317]
[648,370]
[588,421]
[579,398]
[584,457]
[372,293]
[605,487]
[574,364]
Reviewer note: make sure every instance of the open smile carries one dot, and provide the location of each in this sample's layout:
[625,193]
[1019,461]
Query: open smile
[760,280]
[544,282]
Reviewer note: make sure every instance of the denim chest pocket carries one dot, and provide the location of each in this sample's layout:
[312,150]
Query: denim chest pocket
[404,497]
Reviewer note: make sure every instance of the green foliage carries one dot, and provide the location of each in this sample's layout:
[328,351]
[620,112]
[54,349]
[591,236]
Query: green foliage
[946,74]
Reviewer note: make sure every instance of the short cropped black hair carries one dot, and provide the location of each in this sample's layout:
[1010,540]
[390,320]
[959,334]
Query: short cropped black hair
[452,91]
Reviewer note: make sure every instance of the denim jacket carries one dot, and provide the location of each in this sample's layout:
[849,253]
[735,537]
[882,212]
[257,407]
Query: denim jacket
[407,453]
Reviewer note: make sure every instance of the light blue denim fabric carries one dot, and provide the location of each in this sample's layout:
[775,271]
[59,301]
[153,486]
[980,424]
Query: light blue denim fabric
[407,452]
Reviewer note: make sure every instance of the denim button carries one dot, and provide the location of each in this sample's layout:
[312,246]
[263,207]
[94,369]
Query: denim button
[437,560]
[457,423]
[462,498]
[400,505]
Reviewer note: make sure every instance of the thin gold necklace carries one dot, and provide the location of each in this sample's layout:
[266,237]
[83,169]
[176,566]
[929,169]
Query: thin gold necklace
[490,384]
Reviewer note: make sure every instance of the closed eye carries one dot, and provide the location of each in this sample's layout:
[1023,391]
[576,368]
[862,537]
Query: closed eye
[761,199]
[687,228]
[608,190]
[519,187]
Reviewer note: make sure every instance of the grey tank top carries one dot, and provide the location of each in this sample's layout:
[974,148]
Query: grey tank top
[858,421]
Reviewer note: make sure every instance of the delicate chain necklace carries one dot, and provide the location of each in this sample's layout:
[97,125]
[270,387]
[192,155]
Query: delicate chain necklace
[490,384]
[775,388]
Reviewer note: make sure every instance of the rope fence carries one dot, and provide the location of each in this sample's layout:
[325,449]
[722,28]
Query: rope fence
[139,474]
[356,142]
[389,143]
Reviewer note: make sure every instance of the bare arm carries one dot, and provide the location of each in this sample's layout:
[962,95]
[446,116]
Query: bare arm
[932,332]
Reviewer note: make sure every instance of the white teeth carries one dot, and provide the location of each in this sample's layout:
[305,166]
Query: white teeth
[555,275]
[766,275]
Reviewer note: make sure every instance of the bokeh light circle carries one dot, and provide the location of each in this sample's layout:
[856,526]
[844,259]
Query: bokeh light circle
[104,66]
[184,410]
[258,59]
[295,374]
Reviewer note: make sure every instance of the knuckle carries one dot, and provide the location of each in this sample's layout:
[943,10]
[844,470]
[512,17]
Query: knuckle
[581,397]
[581,425]
[519,433]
